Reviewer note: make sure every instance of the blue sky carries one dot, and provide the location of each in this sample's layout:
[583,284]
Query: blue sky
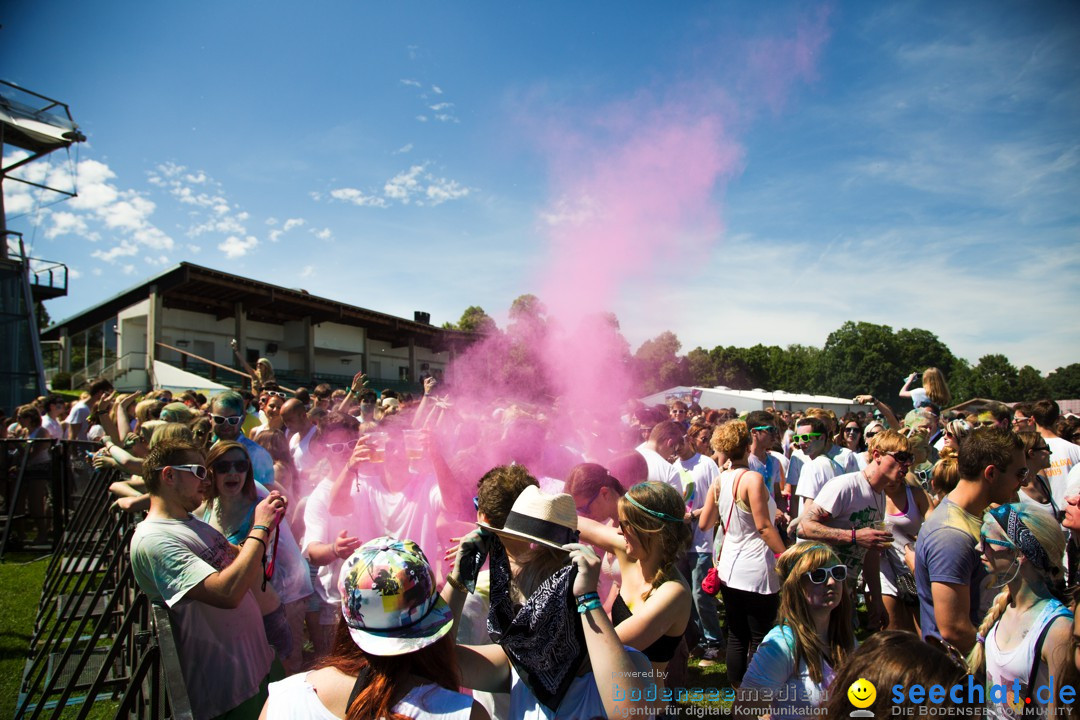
[912,164]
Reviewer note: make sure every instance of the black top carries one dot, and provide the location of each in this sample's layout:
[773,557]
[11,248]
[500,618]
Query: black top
[660,651]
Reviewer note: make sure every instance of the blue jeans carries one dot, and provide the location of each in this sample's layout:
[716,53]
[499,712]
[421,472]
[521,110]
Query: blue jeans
[706,608]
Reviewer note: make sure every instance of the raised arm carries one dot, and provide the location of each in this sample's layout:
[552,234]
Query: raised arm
[602,536]
[226,588]
[887,412]
[241,359]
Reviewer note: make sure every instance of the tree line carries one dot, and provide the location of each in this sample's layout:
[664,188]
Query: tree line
[857,358]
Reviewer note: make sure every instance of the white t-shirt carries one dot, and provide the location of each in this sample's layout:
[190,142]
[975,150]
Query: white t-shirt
[1072,482]
[845,459]
[918,397]
[55,430]
[698,471]
[809,476]
[852,503]
[660,470]
[79,414]
[411,513]
[299,446]
[321,527]
[1064,456]
[169,557]
[295,699]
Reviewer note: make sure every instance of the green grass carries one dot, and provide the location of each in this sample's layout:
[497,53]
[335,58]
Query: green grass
[21,580]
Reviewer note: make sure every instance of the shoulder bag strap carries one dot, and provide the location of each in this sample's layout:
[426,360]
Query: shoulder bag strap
[1029,708]
[358,687]
[734,499]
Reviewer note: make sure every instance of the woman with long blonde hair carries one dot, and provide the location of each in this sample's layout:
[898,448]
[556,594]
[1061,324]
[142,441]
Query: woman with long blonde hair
[797,658]
[934,389]
[653,607]
[1026,637]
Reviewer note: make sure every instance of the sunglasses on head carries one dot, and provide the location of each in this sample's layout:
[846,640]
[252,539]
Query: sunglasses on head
[198,471]
[764,428]
[902,456]
[338,448]
[222,467]
[276,393]
[232,420]
[819,576]
[805,437]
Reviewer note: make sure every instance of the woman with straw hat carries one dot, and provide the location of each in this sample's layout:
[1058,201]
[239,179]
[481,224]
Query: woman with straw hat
[394,653]
[556,653]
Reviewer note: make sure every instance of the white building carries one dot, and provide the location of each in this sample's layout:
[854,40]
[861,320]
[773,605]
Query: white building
[188,315]
[756,399]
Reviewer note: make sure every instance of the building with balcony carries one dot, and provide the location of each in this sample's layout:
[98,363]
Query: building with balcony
[186,317]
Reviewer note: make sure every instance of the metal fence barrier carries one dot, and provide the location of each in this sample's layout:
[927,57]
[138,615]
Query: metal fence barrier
[97,637]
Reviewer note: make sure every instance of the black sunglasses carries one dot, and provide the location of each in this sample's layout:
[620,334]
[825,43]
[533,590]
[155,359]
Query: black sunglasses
[223,467]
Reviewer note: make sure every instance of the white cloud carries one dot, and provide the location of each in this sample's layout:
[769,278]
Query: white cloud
[124,249]
[292,223]
[436,89]
[66,223]
[570,211]
[422,118]
[404,184]
[411,83]
[404,149]
[128,269]
[235,247]
[271,221]
[412,186]
[357,197]
[323,234]
[308,271]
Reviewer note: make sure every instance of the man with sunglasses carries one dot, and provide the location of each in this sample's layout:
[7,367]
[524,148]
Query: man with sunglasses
[227,417]
[846,513]
[810,467]
[949,572]
[190,568]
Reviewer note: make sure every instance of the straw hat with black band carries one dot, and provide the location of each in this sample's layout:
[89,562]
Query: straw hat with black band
[537,517]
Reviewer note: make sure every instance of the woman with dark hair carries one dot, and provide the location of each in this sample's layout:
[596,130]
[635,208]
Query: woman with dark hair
[850,435]
[596,494]
[814,635]
[394,655]
[229,508]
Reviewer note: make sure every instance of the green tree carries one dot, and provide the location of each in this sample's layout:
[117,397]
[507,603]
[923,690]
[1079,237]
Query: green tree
[702,370]
[473,320]
[862,358]
[995,378]
[659,365]
[919,349]
[1064,383]
[1030,385]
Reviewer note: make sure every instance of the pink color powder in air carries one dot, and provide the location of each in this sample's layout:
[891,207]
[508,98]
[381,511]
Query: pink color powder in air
[635,188]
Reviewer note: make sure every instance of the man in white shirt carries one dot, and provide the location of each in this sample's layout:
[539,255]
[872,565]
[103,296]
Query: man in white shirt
[78,420]
[810,467]
[50,416]
[845,512]
[698,471]
[1063,454]
[300,430]
[660,449]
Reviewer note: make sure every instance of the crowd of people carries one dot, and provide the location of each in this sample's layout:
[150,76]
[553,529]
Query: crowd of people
[352,554]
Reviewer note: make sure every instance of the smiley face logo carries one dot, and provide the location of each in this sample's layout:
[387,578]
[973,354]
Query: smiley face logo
[862,693]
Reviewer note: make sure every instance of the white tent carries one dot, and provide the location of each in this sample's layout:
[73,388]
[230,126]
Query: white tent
[167,377]
[756,399]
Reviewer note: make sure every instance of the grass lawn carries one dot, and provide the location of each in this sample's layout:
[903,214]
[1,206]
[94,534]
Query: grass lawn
[21,579]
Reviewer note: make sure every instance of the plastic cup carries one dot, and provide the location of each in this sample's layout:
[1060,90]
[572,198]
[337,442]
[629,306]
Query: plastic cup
[377,442]
[414,444]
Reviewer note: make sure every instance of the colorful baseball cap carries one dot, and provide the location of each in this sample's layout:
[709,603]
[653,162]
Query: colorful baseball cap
[388,598]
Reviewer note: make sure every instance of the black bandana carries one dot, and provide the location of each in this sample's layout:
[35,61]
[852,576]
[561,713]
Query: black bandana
[1020,536]
[544,639]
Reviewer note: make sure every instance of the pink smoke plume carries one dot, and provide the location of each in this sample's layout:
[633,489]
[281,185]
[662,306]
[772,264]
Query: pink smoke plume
[636,188]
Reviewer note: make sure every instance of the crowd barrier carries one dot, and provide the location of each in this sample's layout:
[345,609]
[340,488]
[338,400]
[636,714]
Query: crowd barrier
[97,638]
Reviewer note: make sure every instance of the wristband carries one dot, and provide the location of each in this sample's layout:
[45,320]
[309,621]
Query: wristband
[261,527]
[456,584]
[852,536]
[593,604]
[586,597]
[258,540]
